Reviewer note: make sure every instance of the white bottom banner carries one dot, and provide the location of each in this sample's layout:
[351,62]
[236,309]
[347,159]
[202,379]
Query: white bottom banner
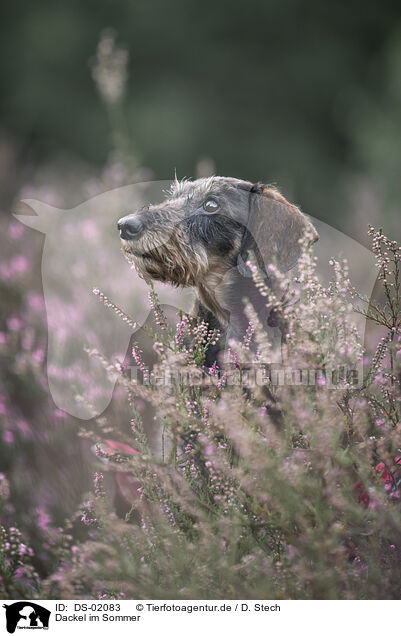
[105,617]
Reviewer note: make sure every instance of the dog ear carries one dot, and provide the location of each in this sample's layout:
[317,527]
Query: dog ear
[275,228]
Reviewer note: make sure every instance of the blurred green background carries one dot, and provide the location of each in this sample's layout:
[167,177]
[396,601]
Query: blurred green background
[303,94]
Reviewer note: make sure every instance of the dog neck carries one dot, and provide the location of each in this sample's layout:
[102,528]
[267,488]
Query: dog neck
[223,296]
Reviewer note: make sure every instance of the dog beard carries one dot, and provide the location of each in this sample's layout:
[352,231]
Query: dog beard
[168,265]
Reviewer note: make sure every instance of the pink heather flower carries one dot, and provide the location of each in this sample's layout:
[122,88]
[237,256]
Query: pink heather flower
[43,519]
[157,310]
[8,436]
[22,549]
[24,428]
[88,521]
[14,323]
[137,355]
[16,230]
[222,383]
[38,355]
[35,301]
[389,479]
[214,370]
[3,337]
[58,414]
[248,336]
[19,264]
[180,331]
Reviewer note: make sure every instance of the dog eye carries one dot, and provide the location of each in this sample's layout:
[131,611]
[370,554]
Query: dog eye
[210,206]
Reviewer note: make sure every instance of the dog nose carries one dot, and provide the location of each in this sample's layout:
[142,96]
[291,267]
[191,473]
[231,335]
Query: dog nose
[130,228]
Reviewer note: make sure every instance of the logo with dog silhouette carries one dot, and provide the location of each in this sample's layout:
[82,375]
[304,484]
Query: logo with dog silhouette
[26,615]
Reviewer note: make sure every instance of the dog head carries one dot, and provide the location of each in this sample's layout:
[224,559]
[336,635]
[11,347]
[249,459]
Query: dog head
[205,228]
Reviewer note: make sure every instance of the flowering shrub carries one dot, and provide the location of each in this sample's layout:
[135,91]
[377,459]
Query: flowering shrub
[290,490]
[38,442]
[239,500]
[204,486]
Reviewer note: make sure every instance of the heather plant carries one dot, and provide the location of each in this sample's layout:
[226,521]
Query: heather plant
[45,466]
[240,499]
[17,573]
[38,442]
[206,484]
